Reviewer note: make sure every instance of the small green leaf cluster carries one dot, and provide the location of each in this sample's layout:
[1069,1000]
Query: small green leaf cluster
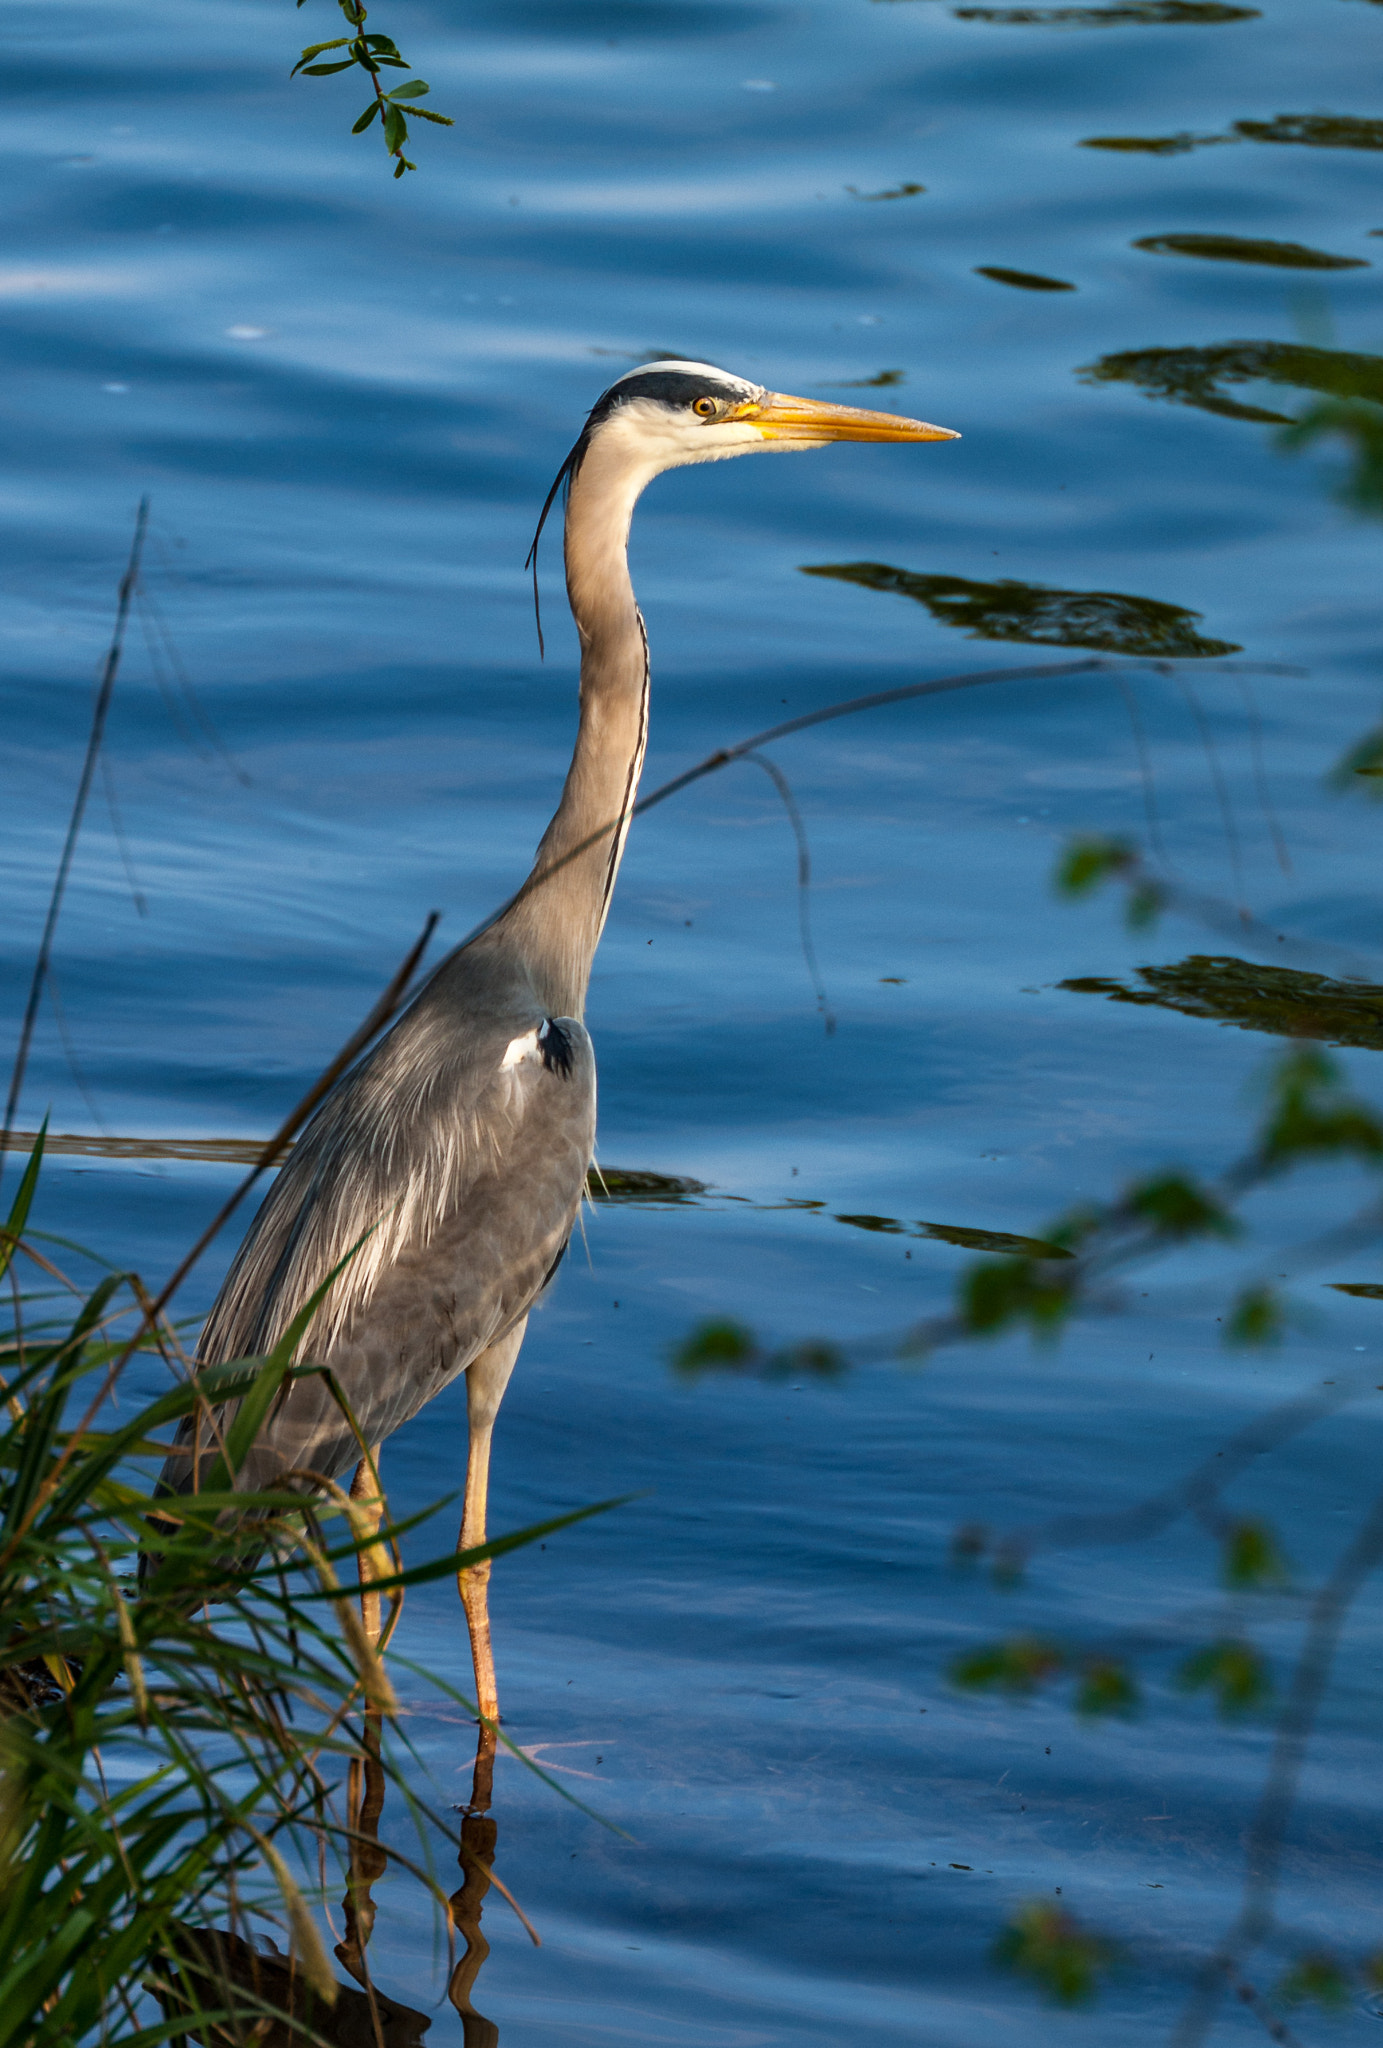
[1019,1665]
[373,54]
[1086,864]
[1256,1317]
[1252,1559]
[1358,422]
[720,1345]
[1175,1207]
[1311,1116]
[1365,757]
[1234,1671]
[996,1293]
[1316,1979]
[1051,1946]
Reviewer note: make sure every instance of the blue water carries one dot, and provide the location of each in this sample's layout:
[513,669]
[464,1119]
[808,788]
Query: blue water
[346,397]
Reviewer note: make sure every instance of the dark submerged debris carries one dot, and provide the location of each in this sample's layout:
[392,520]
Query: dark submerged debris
[1031,612]
[1248,249]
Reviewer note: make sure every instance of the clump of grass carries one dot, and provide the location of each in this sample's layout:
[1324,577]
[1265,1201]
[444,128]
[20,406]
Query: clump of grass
[170,1754]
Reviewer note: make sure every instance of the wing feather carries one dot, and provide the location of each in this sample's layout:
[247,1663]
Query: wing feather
[458,1153]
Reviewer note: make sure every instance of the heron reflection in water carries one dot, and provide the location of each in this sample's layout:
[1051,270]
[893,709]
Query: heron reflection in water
[265,1996]
[455,1153]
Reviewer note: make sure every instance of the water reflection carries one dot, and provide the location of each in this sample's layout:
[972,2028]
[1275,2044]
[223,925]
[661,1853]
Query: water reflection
[369,1861]
[1280,1000]
[1316,131]
[1024,280]
[893,192]
[1194,376]
[1154,145]
[216,1964]
[1034,613]
[1143,13]
[1246,249]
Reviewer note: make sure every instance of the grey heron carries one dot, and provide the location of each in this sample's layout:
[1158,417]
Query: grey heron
[458,1147]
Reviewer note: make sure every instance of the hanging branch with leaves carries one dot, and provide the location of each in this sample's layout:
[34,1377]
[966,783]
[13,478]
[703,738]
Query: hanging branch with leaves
[373,54]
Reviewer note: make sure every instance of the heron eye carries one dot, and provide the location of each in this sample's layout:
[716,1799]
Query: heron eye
[705,408]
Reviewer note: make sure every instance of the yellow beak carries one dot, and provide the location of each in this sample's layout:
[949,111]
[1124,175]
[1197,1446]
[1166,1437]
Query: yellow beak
[809,420]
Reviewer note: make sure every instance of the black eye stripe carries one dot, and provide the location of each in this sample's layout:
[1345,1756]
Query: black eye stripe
[672,387]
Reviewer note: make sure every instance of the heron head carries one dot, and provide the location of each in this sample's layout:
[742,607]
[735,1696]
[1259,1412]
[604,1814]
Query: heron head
[667,414]
[664,415]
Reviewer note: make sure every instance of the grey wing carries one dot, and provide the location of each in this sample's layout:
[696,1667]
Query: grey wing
[458,1152]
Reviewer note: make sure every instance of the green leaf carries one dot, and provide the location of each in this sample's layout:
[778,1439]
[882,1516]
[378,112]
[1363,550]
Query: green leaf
[1146,902]
[316,49]
[716,1346]
[1002,1291]
[1256,1318]
[498,1546]
[1233,1670]
[1016,1667]
[411,89]
[1317,1980]
[1176,1207]
[1252,1557]
[395,129]
[365,119]
[23,1200]
[1365,757]
[1049,1945]
[1313,1116]
[1088,862]
[814,1359]
[323,70]
[1106,1687]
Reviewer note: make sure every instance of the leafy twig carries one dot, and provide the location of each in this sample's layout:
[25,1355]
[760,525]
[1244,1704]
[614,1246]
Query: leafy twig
[374,53]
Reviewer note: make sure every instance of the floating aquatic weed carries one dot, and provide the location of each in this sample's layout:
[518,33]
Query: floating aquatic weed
[1285,1001]
[1024,280]
[1011,610]
[1153,145]
[1194,376]
[1247,249]
[1317,131]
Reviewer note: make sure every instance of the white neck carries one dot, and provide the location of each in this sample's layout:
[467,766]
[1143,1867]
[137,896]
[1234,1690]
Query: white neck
[561,910]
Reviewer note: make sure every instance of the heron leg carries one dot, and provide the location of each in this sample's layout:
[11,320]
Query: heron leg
[372,1563]
[486,1379]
